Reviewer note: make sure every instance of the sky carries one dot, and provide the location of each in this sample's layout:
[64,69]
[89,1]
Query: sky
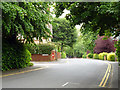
[63,16]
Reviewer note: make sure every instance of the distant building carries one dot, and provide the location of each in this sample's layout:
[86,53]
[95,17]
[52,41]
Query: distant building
[37,41]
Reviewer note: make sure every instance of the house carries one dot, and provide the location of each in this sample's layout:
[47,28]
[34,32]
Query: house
[37,41]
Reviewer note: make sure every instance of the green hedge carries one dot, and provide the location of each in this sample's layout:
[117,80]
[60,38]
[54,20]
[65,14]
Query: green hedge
[90,55]
[96,56]
[101,55]
[111,56]
[63,55]
[14,55]
[84,55]
[40,48]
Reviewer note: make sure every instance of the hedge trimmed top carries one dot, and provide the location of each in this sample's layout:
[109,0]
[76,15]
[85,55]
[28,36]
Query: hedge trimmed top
[40,48]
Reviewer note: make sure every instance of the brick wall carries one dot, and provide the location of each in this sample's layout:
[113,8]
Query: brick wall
[53,56]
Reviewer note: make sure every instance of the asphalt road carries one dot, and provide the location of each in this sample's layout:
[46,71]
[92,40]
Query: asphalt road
[65,73]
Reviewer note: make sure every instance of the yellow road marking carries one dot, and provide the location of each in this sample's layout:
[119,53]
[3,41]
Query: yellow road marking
[106,76]
[23,72]
[106,80]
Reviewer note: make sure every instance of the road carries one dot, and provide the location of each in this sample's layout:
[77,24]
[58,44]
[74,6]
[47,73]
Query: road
[66,73]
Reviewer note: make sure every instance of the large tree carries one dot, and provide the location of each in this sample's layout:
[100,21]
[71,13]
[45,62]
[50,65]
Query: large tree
[25,18]
[102,16]
[63,33]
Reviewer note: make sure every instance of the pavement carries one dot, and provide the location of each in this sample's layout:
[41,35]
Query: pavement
[65,73]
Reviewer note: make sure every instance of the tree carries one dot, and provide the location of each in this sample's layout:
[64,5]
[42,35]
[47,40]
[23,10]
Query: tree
[85,42]
[25,18]
[63,33]
[102,16]
[106,45]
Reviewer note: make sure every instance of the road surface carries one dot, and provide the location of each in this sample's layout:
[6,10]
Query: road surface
[66,73]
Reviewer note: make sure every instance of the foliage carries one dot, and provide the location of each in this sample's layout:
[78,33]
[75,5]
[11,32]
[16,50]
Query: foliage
[117,45]
[30,64]
[63,33]
[40,48]
[78,54]
[95,56]
[14,55]
[63,55]
[27,19]
[101,55]
[85,42]
[90,55]
[95,16]
[84,55]
[69,51]
[111,56]
[106,45]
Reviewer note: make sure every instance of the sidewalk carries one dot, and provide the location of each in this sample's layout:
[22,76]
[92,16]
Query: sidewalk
[36,66]
[23,70]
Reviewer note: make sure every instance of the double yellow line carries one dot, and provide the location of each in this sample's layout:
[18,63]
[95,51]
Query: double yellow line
[106,76]
[23,72]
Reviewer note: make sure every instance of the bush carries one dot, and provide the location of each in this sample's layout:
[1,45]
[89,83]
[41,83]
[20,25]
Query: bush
[101,55]
[40,48]
[14,55]
[69,51]
[30,64]
[63,55]
[90,55]
[78,54]
[104,45]
[111,56]
[84,56]
[95,56]
[117,45]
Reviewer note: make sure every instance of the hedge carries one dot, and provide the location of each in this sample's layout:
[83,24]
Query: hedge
[63,55]
[90,55]
[14,55]
[96,56]
[40,48]
[101,55]
[111,56]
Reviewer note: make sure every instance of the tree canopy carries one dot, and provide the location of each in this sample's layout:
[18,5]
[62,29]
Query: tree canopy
[25,18]
[95,16]
[85,42]
[63,33]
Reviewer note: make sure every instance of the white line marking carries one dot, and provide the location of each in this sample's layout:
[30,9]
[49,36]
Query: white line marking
[65,84]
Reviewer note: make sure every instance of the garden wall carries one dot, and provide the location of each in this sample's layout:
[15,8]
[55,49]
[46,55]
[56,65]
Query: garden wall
[43,57]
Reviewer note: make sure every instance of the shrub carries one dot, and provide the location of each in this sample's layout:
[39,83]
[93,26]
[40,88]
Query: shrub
[63,55]
[30,64]
[95,56]
[84,56]
[111,56]
[104,45]
[40,48]
[69,51]
[101,55]
[79,55]
[14,55]
[117,45]
[90,55]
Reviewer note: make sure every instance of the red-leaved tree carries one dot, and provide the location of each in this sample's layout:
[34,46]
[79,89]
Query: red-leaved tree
[102,45]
